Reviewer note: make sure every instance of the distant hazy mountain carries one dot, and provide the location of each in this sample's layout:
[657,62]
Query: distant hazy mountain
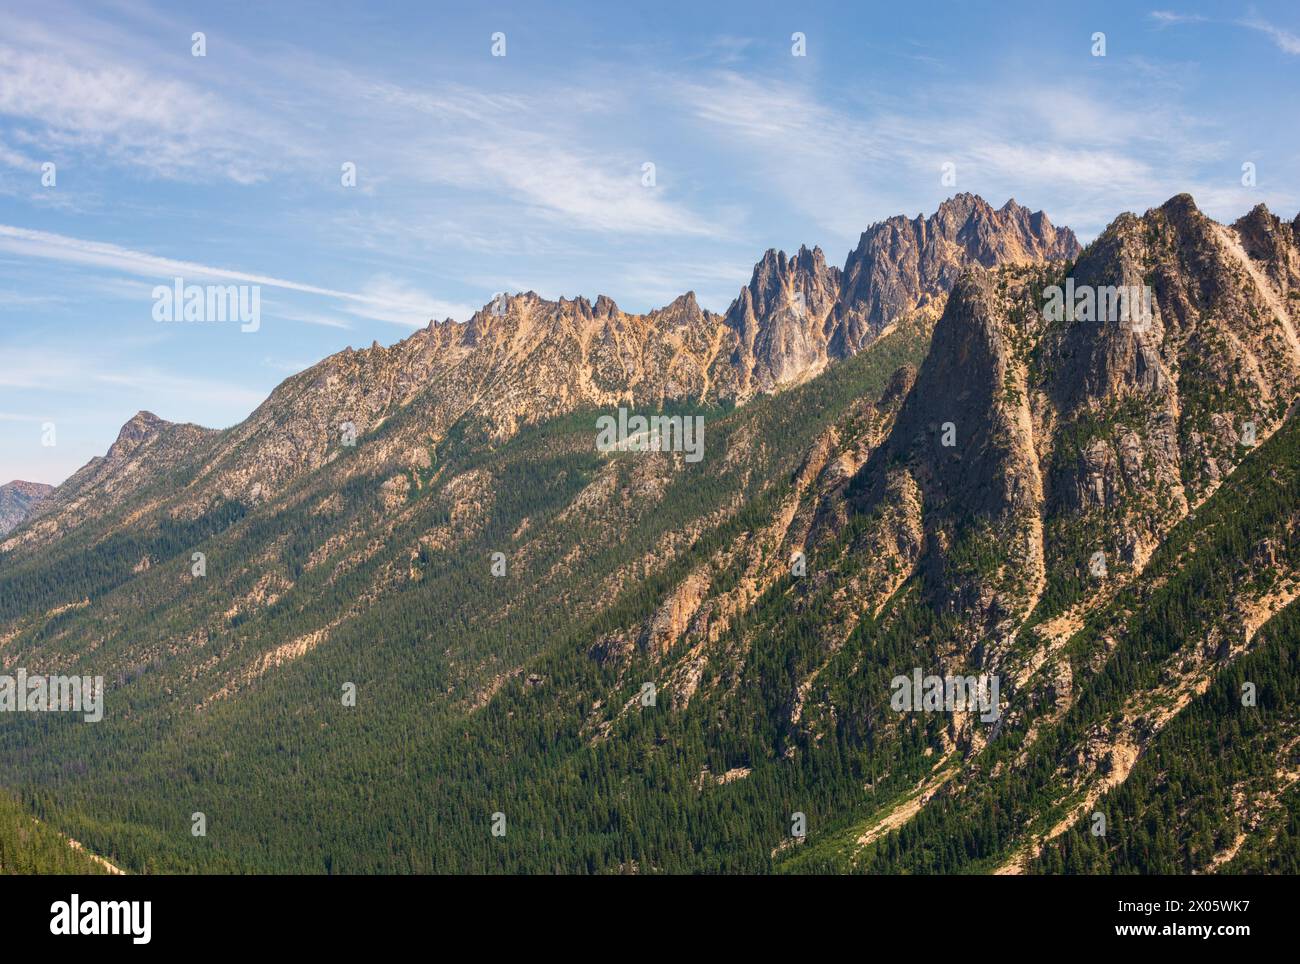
[17,502]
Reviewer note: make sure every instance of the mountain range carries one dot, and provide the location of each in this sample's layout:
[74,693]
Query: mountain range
[408,603]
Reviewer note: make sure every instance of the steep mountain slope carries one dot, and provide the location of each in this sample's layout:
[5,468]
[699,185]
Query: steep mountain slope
[398,597]
[18,500]
[670,663]
[1090,441]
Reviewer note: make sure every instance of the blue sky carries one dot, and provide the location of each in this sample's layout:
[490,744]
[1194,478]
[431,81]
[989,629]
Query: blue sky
[477,174]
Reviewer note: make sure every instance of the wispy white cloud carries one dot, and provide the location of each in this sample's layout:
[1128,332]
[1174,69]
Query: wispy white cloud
[16,159]
[1285,40]
[522,147]
[278,310]
[23,300]
[287,367]
[729,48]
[168,388]
[383,299]
[842,167]
[530,150]
[1169,18]
[69,372]
[166,126]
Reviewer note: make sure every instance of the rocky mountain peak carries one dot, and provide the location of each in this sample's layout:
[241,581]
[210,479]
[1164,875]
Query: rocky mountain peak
[901,265]
[682,311]
[1181,205]
[778,279]
[959,209]
[1272,241]
[780,318]
[139,428]
[604,307]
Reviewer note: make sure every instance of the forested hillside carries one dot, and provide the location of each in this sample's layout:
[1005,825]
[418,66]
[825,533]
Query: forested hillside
[30,847]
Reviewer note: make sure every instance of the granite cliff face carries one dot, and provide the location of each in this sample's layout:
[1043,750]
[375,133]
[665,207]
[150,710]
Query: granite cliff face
[780,321]
[899,264]
[18,500]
